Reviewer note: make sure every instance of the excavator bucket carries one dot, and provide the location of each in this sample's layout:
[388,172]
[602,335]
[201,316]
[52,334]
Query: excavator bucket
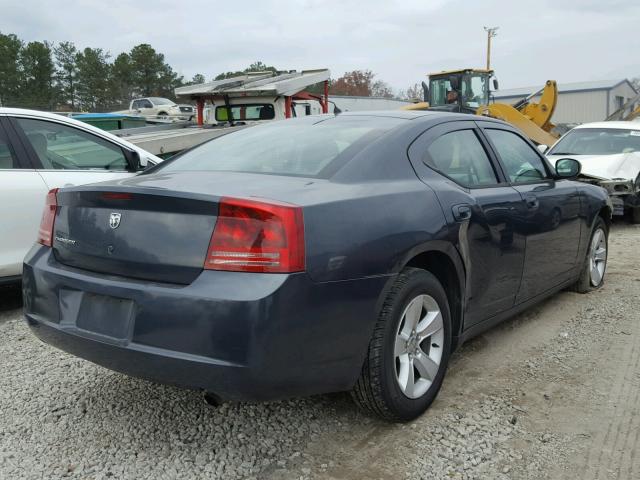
[540,113]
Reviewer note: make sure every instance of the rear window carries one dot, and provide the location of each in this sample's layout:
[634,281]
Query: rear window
[246,112]
[288,147]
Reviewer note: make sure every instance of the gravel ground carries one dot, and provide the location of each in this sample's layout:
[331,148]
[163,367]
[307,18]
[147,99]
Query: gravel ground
[552,393]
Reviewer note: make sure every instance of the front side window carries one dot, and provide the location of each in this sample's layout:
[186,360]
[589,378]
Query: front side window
[460,156]
[521,162]
[61,147]
[246,112]
[597,141]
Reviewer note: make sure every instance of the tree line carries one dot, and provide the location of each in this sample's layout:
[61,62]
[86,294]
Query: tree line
[47,76]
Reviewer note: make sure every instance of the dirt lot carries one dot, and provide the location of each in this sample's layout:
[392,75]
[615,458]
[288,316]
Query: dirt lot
[553,393]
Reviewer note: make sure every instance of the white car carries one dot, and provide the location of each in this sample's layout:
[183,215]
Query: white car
[40,151]
[609,153]
[157,108]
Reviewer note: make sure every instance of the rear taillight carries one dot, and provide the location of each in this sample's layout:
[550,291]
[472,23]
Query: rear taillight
[257,236]
[45,233]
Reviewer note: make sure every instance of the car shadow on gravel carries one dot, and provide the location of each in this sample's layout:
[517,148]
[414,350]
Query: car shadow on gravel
[10,297]
[484,340]
[168,412]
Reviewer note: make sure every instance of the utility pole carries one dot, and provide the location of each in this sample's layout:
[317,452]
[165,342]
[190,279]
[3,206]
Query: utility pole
[491,32]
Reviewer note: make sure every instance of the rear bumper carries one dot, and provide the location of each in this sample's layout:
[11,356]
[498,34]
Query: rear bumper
[241,336]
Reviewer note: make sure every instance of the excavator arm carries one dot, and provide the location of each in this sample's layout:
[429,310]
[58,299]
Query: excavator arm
[628,111]
[633,115]
[534,119]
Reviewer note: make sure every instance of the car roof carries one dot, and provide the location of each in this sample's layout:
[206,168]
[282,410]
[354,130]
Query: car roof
[23,112]
[38,113]
[408,114]
[430,116]
[619,125]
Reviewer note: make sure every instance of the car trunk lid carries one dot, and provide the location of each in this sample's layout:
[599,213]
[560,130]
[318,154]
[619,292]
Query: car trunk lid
[138,233]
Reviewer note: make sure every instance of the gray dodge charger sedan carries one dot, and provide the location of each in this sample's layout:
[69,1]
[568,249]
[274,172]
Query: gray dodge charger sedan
[314,255]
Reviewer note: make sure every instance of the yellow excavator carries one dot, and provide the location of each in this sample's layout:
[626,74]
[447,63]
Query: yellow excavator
[467,91]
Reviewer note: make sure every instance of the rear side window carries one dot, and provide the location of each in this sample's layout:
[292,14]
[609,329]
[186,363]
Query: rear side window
[460,156]
[521,162]
[288,147]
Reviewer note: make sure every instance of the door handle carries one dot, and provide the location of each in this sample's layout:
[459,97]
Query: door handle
[461,212]
[532,201]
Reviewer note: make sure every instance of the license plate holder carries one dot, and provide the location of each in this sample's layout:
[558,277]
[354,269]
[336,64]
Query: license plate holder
[105,315]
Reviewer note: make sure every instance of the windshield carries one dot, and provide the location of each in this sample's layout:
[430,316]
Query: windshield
[285,147]
[161,101]
[473,88]
[597,141]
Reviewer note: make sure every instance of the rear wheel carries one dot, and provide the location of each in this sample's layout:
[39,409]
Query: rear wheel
[595,263]
[409,351]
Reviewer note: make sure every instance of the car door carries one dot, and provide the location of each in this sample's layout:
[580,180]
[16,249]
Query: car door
[22,196]
[549,216]
[147,108]
[135,106]
[65,155]
[455,161]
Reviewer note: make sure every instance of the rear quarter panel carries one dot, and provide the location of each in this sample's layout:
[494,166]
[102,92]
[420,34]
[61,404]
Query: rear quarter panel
[370,229]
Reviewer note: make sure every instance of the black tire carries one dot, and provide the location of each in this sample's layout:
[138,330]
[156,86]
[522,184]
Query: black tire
[584,283]
[377,390]
[635,215]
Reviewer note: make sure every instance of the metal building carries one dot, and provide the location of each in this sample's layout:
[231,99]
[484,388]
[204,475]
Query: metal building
[580,102]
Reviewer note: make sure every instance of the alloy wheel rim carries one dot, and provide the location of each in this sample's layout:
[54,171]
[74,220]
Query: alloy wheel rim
[418,346]
[597,257]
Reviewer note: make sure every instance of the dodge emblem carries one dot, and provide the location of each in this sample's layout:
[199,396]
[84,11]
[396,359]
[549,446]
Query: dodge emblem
[114,220]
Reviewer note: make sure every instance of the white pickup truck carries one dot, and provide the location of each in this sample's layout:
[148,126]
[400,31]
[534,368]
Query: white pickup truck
[160,108]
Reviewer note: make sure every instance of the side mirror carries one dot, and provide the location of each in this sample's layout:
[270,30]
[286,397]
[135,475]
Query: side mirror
[136,163]
[454,82]
[568,168]
[543,148]
[495,84]
[425,92]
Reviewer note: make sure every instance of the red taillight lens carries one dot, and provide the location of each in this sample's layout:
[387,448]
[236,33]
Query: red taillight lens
[45,233]
[256,236]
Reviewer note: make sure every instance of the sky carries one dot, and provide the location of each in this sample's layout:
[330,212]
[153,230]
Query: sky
[400,41]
